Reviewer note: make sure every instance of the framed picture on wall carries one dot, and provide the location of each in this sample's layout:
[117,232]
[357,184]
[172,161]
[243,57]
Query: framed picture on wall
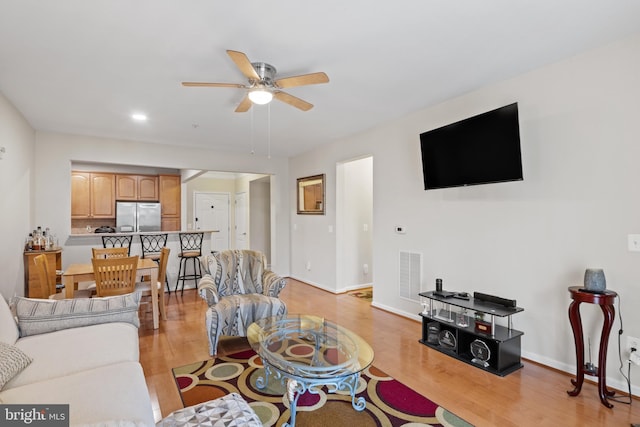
[311,195]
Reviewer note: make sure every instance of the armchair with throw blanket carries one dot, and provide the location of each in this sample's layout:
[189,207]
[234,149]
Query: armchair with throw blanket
[239,290]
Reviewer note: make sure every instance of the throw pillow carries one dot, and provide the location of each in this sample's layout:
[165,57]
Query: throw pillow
[8,327]
[36,316]
[114,423]
[12,362]
[230,410]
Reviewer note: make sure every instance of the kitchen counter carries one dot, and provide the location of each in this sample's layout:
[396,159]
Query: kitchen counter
[85,235]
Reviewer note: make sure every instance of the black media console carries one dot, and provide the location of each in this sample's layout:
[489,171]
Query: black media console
[494,348]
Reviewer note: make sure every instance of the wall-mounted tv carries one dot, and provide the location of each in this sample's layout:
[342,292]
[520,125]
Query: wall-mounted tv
[481,149]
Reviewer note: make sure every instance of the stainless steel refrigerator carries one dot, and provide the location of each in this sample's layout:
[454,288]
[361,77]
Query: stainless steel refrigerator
[134,217]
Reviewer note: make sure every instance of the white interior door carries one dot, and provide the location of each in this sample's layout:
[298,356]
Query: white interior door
[211,212]
[242,237]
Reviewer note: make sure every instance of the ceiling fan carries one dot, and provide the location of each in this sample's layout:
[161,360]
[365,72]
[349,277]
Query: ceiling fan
[263,86]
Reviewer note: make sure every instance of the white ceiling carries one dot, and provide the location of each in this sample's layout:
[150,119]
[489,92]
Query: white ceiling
[83,66]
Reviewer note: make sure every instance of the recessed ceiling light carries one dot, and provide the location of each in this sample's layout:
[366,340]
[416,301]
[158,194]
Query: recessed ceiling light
[139,117]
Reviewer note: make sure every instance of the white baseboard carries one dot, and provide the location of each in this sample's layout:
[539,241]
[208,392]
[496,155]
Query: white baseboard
[411,316]
[333,291]
[615,383]
[315,285]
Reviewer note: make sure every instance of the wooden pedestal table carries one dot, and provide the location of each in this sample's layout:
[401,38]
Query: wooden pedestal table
[605,300]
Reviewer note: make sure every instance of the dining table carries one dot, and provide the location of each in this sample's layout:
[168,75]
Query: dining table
[83,272]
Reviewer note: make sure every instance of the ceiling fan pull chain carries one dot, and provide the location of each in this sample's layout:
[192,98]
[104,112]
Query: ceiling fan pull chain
[253,151]
[268,131]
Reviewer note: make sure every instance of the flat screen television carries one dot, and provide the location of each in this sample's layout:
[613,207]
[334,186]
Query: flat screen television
[481,149]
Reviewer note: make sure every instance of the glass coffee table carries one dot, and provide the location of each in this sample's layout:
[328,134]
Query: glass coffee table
[333,356]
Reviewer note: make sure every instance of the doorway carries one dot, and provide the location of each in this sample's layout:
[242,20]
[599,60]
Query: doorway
[211,212]
[241,221]
[260,216]
[354,224]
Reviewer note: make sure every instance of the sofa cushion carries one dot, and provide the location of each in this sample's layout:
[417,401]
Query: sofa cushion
[8,327]
[72,350]
[12,362]
[113,392]
[37,316]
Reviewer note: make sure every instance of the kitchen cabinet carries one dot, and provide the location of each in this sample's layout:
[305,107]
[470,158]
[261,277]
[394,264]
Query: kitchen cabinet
[32,285]
[170,200]
[92,195]
[137,187]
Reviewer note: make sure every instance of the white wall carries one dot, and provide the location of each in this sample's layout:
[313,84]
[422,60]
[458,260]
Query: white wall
[16,195]
[526,240]
[54,153]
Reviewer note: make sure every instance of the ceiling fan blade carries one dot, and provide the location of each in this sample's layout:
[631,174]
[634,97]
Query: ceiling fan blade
[244,105]
[244,64]
[203,84]
[292,100]
[305,79]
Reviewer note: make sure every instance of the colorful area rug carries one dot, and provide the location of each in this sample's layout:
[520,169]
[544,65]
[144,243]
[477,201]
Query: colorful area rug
[366,294]
[389,403]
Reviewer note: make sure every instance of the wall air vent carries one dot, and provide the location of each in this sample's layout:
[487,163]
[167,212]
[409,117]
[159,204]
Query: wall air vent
[410,275]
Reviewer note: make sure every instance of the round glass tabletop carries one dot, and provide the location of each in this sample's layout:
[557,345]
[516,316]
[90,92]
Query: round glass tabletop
[309,347]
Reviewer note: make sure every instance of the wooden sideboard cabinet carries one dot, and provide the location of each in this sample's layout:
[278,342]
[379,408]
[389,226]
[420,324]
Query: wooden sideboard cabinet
[137,187]
[32,286]
[93,195]
[170,200]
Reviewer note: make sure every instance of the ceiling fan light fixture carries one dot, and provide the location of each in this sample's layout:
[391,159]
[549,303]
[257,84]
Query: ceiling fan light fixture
[260,96]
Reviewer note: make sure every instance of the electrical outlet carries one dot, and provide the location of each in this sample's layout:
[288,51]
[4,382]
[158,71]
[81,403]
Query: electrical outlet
[633,243]
[633,342]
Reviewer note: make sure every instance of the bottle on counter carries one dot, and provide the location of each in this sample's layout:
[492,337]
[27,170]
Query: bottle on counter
[45,241]
[49,240]
[36,241]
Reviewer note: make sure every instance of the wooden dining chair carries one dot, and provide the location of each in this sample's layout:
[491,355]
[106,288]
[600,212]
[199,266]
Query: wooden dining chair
[145,287]
[115,276]
[47,278]
[110,252]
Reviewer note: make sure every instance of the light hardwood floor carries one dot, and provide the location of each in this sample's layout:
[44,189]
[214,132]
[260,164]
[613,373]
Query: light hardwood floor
[532,396]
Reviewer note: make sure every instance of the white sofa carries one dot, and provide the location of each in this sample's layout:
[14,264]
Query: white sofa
[92,368]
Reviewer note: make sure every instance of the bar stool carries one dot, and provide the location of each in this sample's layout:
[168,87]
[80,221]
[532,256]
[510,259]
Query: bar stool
[190,249]
[118,242]
[152,245]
